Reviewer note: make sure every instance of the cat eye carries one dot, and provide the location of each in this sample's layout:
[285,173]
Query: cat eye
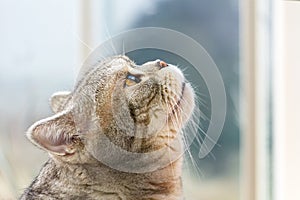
[132,79]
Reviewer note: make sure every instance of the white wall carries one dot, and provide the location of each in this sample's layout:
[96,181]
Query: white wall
[291,64]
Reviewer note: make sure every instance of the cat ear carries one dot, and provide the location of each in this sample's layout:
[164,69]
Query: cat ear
[56,134]
[58,100]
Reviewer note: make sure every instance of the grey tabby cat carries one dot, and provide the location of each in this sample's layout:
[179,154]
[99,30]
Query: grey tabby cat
[141,110]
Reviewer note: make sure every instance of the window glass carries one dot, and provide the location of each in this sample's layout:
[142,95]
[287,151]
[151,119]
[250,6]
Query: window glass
[41,53]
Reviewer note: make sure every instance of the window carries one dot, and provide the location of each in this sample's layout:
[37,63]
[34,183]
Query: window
[242,37]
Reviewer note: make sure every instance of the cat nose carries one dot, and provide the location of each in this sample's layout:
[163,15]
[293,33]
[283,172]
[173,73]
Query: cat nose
[162,64]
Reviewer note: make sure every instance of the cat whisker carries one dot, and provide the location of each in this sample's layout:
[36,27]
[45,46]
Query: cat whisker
[196,127]
[82,42]
[111,39]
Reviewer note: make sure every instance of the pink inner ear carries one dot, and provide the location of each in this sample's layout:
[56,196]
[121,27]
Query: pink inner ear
[54,133]
[56,144]
[61,150]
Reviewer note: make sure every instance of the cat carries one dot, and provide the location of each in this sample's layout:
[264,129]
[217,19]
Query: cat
[137,110]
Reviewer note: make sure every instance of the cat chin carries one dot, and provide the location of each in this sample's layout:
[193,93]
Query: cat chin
[187,103]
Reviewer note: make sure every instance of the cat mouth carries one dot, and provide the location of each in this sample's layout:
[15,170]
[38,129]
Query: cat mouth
[178,103]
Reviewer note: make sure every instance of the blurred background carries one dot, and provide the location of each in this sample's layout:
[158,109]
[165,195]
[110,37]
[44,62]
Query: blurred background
[43,44]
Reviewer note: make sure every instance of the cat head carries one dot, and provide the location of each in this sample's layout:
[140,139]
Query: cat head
[139,108]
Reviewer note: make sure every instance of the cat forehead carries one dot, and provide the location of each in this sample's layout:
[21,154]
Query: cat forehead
[117,63]
[109,67]
[118,66]
[126,62]
[123,63]
[121,60]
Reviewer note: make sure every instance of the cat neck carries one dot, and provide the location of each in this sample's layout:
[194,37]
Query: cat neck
[61,180]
